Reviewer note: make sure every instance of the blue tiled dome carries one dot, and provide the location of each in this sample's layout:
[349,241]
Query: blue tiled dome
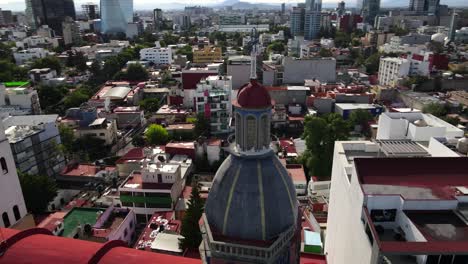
[252,198]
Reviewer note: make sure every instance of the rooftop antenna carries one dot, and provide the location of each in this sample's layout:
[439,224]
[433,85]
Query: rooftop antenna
[253,54]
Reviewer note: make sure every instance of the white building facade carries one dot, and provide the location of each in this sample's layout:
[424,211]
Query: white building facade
[393,69]
[12,206]
[157,55]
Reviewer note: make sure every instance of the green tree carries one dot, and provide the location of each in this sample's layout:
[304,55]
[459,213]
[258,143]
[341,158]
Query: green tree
[187,50]
[75,99]
[156,135]
[10,72]
[5,52]
[453,120]
[435,109]
[138,141]
[38,191]
[48,62]
[361,117]
[190,227]
[325,53]
[276,47]
[202,126]
[90,148]
[49,96]
[150,105]
[136,72]
[372,63]
[342,39]
[67,137]
[320,134]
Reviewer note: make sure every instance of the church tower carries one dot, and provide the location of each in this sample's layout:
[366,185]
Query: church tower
[251,215]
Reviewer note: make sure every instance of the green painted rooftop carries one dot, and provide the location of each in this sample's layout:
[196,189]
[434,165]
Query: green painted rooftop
[79,216]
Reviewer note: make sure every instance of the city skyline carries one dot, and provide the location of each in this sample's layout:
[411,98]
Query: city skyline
[19,5]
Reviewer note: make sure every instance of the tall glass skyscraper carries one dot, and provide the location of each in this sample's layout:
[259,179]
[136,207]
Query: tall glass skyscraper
[313,12]
[50,12]
[369,10]
[115,15]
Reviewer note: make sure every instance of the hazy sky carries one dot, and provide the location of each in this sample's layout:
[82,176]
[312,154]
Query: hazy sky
[19,5]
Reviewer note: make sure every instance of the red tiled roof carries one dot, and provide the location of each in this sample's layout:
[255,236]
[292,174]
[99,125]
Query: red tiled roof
[133,154]
[84,170]
[296,171]
[39,246]
[288,145]
[307,258]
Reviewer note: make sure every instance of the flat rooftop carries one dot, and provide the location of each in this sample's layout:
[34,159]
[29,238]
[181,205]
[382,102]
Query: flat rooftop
[440,225]
[153,228]
[85,170]
[413,178]
[79,216]
[135,181]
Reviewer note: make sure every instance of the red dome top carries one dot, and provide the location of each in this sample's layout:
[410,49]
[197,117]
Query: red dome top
[253,95]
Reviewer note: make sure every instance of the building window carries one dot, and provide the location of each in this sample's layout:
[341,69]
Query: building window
[264,129]
[16,212]
[3,165]
[6,220]
[251,130]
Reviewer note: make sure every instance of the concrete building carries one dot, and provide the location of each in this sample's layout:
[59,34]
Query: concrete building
[297,21]
[115,15]
[85,122]
[312,19]
[369,10]
[415,126]
[155,187]
[393,69]
[399,200]
[238,68]
[231,19]
[71,32]
[12,206]
[295,71]
[42,75]
[207,54]
[34,141]
[23,56]
[37,42]
[244,28]
[79,175]
[213,98]
[50,12]
[192,76]
[157,55]
[157,19]
[345,109]
[19,99]
[100,225]
[461,35]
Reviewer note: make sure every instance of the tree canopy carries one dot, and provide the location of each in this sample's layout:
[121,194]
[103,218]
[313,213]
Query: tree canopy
[190,227]
[10,72]
[187,50]
[320,134]
[277,47]
[67,137]
[47,62]
[156,135]
[134,72]
[202,125]
[361,117]
[435,109]
[325,53]
[38,191]
[150,105]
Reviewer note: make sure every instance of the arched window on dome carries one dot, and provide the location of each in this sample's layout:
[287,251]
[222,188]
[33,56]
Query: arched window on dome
[238,128]
[16,212]
[6,220]
[264,132]
[251,132]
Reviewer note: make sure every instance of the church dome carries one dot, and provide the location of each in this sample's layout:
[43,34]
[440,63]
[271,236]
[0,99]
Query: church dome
[252,198]
[253,96]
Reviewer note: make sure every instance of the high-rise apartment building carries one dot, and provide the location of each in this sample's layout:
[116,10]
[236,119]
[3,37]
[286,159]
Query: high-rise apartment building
[91,10]
[369,10]
[115,15]
[50,12]
[297,20]
[12,207]
[157,19]
[341,9]
[424,6]
[312,19]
